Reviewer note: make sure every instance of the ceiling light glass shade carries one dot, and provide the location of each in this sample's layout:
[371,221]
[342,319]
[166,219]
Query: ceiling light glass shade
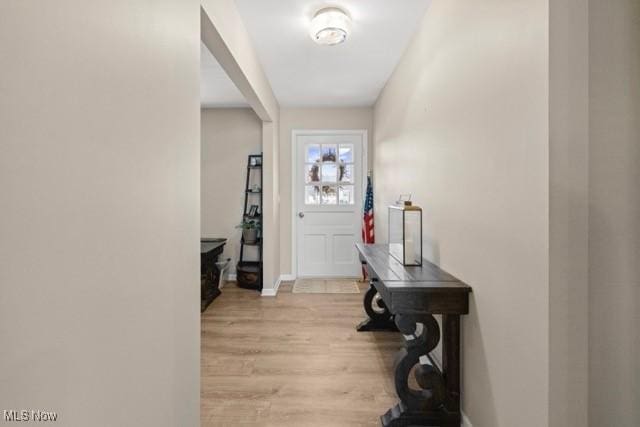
[330,26]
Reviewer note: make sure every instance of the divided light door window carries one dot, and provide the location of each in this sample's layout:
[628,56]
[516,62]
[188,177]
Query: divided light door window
[329,174]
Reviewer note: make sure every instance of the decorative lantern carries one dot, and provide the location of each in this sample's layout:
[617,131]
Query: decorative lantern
[405,233]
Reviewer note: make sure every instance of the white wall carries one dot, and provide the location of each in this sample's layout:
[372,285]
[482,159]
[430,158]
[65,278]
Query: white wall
[317,119]
[99,222]
[614,213]
[228,136]
[463,125]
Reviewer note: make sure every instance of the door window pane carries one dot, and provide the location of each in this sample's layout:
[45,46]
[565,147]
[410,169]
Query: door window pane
[346,153]
[312,195]
[346,194]
[313,153]
[312,173]
[329,195]
[329,152]
[345,173]
[329,172]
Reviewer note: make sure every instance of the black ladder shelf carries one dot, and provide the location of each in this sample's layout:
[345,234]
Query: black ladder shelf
[249,272]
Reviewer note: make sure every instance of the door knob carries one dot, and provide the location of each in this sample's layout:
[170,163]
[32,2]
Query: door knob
[301,214]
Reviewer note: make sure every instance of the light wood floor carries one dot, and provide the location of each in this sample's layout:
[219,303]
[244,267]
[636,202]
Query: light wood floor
[293,360]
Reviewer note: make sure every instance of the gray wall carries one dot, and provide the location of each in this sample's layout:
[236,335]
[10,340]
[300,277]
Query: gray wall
[568,212]
[228,136]
[463,125]
[99,217]
[614,213]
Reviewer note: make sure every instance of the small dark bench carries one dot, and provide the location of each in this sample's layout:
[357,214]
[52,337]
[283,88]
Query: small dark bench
[210,250]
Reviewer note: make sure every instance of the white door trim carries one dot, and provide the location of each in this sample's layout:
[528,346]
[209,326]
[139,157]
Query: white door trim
[294,200]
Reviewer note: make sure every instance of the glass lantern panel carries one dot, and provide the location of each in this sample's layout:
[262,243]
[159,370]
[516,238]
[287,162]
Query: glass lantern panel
[412,237]
[395,233]
[405,234]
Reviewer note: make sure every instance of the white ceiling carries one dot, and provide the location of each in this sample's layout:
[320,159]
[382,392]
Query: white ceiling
[216,88]
[303,73]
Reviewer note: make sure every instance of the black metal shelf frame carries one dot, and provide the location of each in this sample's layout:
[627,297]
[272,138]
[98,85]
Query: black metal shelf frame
[249,272]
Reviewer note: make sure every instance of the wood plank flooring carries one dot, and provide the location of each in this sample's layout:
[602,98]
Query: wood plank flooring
[293,360]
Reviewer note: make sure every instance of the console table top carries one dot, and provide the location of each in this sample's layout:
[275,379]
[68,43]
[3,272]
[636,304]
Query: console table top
[398,277]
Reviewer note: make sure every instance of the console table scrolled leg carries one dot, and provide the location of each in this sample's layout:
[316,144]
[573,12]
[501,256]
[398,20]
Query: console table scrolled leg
[451,361]
[419,406]
[380,318]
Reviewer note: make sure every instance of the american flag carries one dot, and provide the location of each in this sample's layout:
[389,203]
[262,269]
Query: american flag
[367,223]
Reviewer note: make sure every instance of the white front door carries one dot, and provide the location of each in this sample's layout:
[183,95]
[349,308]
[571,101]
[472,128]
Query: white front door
[328,192]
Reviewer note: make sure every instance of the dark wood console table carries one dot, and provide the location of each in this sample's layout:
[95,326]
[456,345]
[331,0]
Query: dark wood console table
[405,299]
[210,250]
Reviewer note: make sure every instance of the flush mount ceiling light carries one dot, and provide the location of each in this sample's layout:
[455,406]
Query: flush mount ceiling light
[330,26]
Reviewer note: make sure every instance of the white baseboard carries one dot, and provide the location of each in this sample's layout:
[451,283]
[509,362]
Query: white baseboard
[465,421]
[232,277]
[287,277]
[272,292]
